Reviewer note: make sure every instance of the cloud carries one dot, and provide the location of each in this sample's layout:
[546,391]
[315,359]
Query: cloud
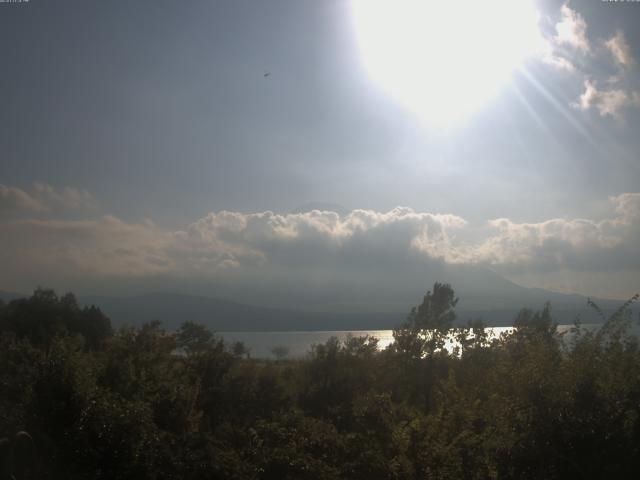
[574,244]
[43,198]
[223,241]
[567,40]
[315,237]
[102,247]
[68,197]
[551,57]
[620,49]
[609,102]
[16,199]
[388,243]
[572,30]
[569,50]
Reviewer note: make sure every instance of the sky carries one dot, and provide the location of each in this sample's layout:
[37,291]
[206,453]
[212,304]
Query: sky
[184,145]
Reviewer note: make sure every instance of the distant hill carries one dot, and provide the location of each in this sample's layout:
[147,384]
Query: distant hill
[223,315]
[496,303]
[6,296]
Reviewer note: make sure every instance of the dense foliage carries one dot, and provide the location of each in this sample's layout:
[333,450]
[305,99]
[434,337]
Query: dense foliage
[147,403]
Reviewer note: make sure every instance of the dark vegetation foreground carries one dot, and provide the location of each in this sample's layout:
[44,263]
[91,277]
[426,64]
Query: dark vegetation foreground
[146,403]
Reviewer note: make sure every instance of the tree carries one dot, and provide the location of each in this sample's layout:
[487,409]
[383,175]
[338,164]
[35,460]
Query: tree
[280,352]
[194,338]
[437,310]
[44,315]
[427,325]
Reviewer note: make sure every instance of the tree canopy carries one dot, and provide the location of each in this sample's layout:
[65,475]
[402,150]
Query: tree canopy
[144,402]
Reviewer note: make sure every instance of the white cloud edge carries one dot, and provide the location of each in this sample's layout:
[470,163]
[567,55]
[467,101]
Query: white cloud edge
[225,241]
[620,49]
[572,30]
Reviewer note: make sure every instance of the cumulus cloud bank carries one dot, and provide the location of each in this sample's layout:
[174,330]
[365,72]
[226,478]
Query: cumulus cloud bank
[578,244]
[317,235]
[222,243]
[372,237]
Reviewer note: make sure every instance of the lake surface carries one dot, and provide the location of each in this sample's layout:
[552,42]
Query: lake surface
[300,343]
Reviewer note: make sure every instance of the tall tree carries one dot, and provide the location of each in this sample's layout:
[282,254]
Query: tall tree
[426,327]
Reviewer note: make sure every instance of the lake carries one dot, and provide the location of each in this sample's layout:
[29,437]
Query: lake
[300,343]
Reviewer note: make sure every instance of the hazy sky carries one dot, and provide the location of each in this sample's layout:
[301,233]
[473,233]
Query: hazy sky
[141,139]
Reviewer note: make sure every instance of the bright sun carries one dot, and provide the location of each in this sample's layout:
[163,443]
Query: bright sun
[444,59]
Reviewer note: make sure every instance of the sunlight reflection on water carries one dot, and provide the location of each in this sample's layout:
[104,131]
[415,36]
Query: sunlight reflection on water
[299,344]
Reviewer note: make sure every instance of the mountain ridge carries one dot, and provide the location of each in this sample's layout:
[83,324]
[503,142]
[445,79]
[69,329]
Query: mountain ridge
[172,309]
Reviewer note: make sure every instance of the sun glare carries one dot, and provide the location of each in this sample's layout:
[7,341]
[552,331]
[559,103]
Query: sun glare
[444,59]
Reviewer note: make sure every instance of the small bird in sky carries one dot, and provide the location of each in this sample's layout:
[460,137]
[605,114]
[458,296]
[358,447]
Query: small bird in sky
[266,74]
